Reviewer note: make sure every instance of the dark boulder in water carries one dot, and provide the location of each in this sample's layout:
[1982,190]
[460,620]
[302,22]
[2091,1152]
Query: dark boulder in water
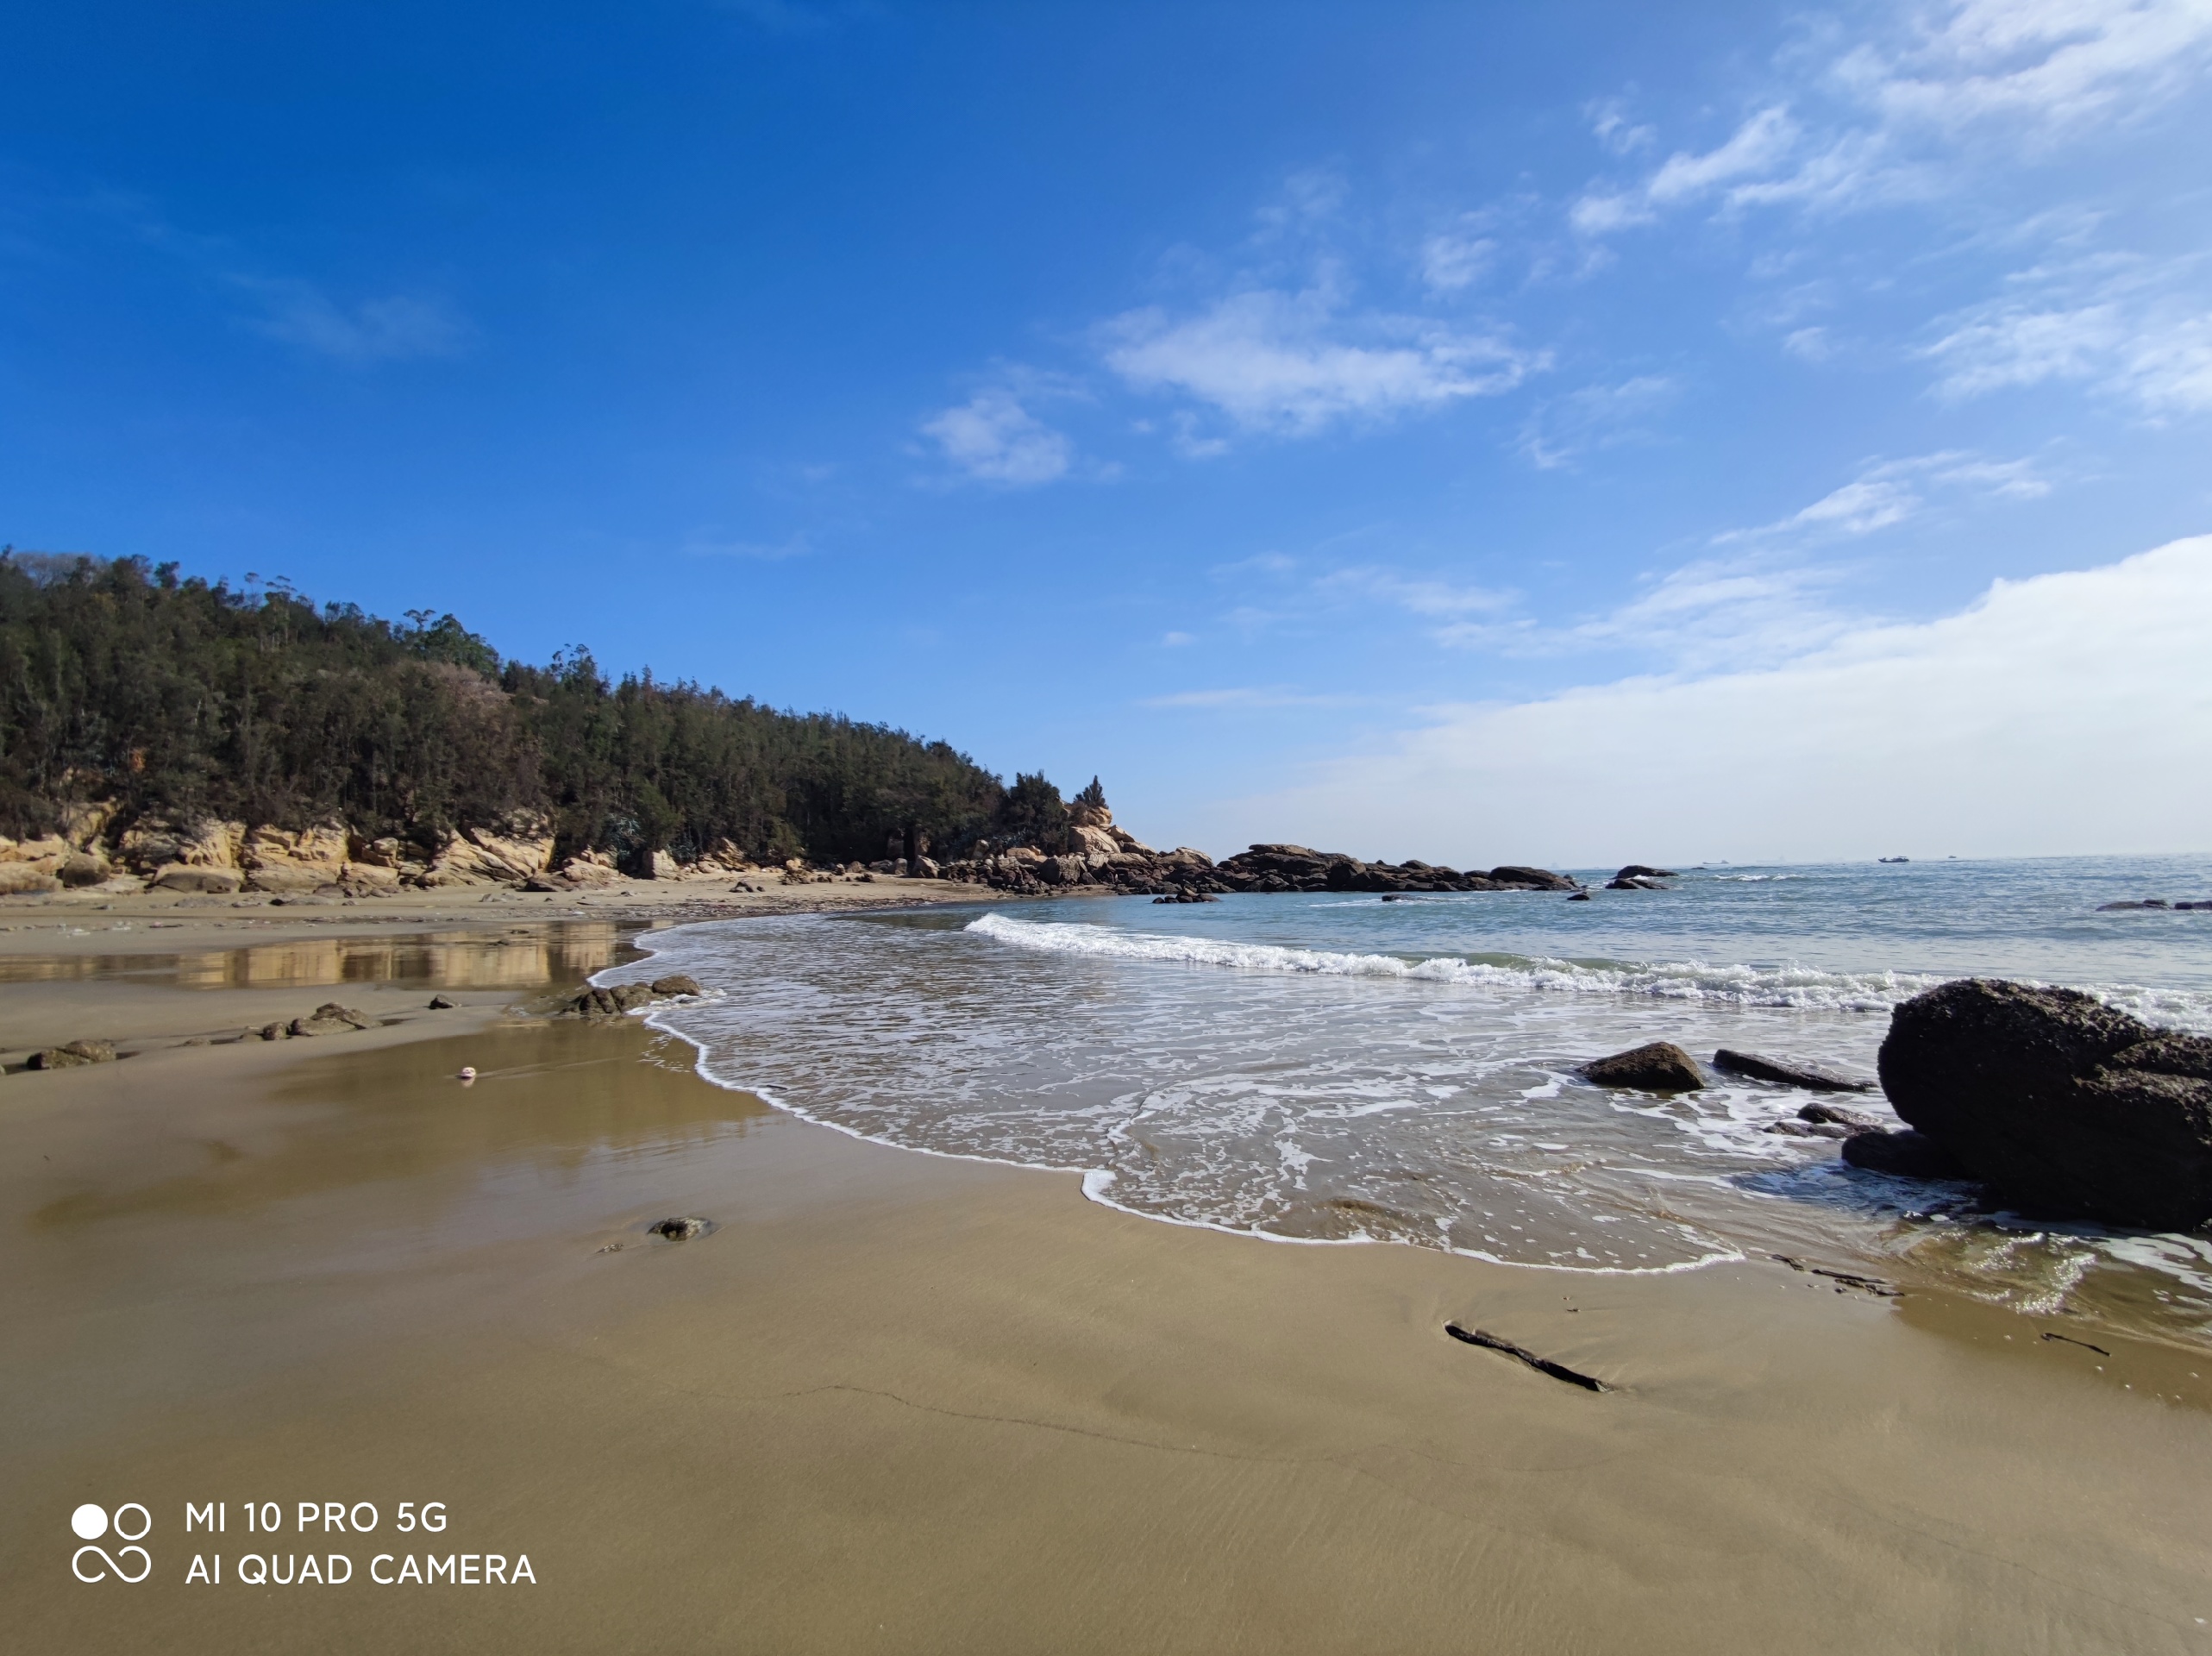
[1902,1154]
[1789,1073]
[1656,1067]
[1529,879]
[680,983]
[1836,1115]
[1639,871]
[2066,1106]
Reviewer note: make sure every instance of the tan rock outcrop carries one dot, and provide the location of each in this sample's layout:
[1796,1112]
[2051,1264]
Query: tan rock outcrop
[590,868]
[1089,841]
[82,823]
[482,856]
[150,845]
[276,861]
[18,878]
[194,877]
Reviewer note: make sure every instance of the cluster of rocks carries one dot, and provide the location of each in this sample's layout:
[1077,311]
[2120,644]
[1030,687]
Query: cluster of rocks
[2063,1106]
[2154,902]
[1637,877]
[1109,858]
[329,1018]
[72,1055]
[211,856]
[617,999]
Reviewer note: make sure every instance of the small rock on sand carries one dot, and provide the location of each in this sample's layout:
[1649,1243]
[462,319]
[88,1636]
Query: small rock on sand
[439,1003]
[682,1229]
[331,1018]
[72,1054]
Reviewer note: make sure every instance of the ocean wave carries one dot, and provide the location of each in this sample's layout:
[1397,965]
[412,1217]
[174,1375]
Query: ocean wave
[1690,980]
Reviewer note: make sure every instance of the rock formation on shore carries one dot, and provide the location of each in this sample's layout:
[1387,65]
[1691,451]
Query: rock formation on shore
[1084,851]
[2064,1106]
[1114,860]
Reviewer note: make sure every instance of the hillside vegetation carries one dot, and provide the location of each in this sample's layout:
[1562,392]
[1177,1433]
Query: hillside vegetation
[171,699]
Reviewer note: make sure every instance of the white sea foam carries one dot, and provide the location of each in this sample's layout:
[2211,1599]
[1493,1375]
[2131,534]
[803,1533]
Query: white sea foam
[1689,980]
[1803,987]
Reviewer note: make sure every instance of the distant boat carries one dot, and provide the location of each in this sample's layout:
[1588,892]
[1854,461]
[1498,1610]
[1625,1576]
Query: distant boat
[1893,859]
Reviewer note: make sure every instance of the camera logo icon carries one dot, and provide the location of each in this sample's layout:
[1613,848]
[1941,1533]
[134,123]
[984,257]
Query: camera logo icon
[130,1523]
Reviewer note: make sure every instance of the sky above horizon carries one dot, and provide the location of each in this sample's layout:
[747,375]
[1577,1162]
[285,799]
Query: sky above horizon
[1576,434]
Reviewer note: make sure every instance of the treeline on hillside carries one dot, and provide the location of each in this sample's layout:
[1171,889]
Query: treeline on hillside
[176,699]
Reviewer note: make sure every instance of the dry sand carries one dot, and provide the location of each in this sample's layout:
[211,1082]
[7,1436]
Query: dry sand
[898,1403]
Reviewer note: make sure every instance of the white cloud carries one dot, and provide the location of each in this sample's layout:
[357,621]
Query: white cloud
[1452,260]
[1430,599]
[2133,329]
[1812,344]
[992,437]
[1244,697]
[1609,122]
[1755,148]
[2030,74]
[1293,363]
[385,330]
[2061,63]
[1890,492]
[2062,713]
[1597,416]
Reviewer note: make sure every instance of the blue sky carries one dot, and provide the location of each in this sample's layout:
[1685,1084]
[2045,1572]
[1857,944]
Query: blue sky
[1477,432]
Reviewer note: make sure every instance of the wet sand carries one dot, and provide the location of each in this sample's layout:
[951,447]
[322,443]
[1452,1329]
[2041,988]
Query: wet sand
[903,1403]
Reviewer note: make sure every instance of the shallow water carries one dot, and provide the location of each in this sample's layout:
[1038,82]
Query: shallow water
[543,955]
[1335,1067]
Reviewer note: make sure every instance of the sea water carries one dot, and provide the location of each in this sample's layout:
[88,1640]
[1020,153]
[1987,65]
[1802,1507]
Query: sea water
[1334,1068]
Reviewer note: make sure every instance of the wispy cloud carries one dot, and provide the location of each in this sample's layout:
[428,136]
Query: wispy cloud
[1245,698]
[1597,416]
[994,438]
[1293,363]
[1457,258]
[2062,64]
[1890,492]
[394,327]
[2136,329]
[1883,118]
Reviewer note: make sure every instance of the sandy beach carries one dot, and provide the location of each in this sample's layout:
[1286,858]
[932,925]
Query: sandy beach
[902,1403]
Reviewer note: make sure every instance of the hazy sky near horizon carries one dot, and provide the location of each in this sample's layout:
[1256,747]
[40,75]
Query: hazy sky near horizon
[1573,433]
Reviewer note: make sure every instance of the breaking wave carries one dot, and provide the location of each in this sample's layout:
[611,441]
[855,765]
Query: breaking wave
[1801,987]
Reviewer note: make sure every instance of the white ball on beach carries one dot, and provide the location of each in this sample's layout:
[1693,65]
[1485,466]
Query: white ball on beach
[467,1072]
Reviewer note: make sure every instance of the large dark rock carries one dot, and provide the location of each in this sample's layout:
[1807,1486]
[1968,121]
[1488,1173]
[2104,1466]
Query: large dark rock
[1902,1154]
[1531,879]
[2066,1106]
[1659,1067]
[1788,1072]
[677,983]
[1271,868]
[1640,871]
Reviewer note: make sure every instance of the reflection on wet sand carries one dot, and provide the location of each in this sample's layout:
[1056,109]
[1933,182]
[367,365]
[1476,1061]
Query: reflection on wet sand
[552,1104]
[546,956]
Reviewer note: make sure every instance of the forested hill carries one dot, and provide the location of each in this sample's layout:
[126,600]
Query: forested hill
[175,698]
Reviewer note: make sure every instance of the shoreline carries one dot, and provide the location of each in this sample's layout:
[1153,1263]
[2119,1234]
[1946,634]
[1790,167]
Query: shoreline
[911,1402]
